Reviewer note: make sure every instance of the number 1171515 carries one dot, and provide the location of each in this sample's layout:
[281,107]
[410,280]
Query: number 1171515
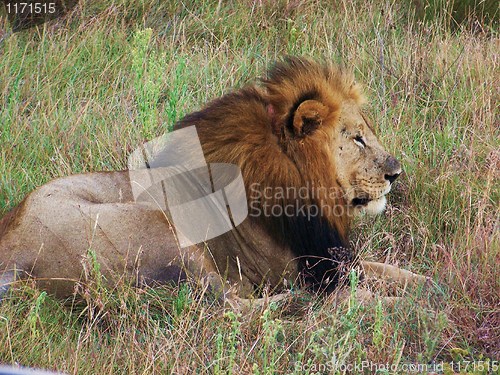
[31,7]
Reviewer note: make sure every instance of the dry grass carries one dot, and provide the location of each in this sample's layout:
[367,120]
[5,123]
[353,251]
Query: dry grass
[79,93]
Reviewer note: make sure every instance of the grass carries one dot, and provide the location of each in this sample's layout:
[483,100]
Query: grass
[80,93]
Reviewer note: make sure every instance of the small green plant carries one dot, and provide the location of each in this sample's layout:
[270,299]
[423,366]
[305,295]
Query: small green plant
[94,271]
[34,315]
[378,333]
[177,90]
[273,337]
[227,344]
[182,300]
[148,69]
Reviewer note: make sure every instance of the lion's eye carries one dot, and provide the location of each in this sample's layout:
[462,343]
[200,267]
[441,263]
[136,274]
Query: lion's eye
[359,141]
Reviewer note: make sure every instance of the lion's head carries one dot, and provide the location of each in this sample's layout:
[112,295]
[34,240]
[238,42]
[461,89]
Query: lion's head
[318,117]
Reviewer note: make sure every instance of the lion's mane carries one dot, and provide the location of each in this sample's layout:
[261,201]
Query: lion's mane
[255,128]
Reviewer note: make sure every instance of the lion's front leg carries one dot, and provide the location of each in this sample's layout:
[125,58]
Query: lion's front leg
[392,273]
[369,291]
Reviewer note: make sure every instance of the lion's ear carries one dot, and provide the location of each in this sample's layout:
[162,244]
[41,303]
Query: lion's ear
[308,116]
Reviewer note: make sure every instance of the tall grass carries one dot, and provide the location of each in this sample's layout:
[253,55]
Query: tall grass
[79,93]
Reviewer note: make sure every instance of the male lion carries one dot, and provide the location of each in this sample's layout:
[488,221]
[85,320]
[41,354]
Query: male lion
[301,140]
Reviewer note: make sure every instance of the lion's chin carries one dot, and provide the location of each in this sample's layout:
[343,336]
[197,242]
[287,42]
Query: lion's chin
[373,207]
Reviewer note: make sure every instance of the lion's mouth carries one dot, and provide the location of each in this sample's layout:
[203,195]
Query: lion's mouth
[356,202]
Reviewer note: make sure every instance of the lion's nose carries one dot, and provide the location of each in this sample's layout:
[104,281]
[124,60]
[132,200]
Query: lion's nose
[393,169]
[391,177]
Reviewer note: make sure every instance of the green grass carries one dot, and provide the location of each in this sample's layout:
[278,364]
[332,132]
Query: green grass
[80,93]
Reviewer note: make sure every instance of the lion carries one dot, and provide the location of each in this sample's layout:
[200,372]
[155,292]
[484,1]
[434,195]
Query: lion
[301,139]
